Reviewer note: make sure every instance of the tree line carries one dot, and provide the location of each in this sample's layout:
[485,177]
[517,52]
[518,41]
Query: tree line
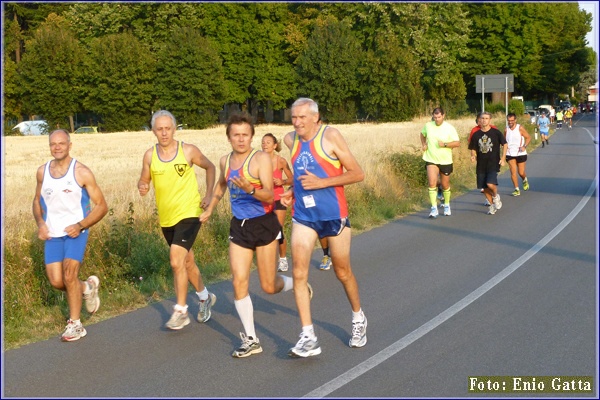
[369,61]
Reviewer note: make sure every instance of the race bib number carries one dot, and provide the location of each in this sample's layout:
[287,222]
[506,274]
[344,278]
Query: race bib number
[309,201]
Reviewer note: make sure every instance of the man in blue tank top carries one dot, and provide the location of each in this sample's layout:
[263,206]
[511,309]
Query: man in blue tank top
[322,165]
[254,228]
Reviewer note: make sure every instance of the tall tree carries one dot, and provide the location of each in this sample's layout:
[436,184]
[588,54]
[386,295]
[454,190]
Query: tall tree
[542,44]
[565,55]
[253,48]
[21,20]
[433,35]
[50,69]
[190,79]
[119,82]
[149,22]
[11,88]
[11,95]
[440,38]
[390,88]
[588,78]
[329,70]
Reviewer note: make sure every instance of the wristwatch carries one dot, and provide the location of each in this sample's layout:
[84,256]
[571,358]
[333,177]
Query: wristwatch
[445,144]
[251,193]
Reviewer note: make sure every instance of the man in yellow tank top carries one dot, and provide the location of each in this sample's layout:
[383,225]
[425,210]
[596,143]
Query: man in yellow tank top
[170,166]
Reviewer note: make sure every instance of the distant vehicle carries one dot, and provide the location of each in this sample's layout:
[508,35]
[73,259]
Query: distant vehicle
[533,116]
[565,104]
[87,129]
[545,108]
[31,128]
[181,127]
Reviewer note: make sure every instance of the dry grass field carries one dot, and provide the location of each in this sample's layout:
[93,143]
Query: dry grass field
[127,245]
[116,160]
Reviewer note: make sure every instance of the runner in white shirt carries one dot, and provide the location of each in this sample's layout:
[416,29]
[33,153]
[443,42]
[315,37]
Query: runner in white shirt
[517,139]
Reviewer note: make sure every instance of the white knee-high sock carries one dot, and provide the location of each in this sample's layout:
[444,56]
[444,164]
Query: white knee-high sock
[245,310]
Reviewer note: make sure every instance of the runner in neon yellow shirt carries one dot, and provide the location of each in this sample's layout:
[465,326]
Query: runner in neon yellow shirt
[438,138]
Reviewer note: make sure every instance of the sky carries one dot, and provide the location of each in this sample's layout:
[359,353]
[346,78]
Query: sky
[592,37]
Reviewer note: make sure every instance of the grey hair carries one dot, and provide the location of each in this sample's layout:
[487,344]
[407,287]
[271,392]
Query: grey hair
[486,113]
[312,105]
[163,113]
[66,132]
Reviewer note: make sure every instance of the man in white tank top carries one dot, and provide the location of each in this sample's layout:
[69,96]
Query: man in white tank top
[62,210]
[517,140]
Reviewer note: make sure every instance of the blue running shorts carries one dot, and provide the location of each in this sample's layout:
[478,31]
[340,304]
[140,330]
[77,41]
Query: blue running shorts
[57,249]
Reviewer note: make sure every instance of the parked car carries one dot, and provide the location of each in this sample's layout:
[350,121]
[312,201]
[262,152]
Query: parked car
[87,129]
[545,108]
[31,128]
[533,116]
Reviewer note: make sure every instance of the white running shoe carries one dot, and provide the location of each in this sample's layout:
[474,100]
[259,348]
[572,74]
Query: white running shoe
[178,320]
[359,333]
[283,265]
[325,263]
[92,300]
[434,212]
[73,332]
[249,346]
[204,307]
[447,211]
[497,202]
[305,347]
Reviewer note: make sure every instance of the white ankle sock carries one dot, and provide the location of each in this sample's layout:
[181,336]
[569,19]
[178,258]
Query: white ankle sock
[203,295]
[309,331]
[358,316]
[179,308]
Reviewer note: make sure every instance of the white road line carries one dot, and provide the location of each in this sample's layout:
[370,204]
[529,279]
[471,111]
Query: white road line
[394,348]
[592,136]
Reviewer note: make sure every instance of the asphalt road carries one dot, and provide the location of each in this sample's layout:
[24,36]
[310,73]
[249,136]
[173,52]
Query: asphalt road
[513,294]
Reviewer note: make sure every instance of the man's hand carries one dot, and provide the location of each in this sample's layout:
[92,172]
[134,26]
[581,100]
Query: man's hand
[310,181]
[205,215]
[73,230]
[205,201]
[242,183]
[43,233]
[287,198]
[143,188]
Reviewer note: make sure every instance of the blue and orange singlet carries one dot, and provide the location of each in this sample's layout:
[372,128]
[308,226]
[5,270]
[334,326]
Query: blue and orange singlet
[322,204]
[244,205]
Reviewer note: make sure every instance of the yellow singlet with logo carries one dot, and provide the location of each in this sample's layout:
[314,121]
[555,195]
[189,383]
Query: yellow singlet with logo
[175,188]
